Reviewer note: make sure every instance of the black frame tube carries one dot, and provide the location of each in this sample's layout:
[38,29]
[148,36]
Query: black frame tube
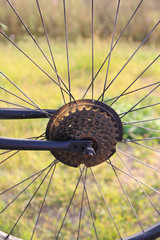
[77,146]
[17,113]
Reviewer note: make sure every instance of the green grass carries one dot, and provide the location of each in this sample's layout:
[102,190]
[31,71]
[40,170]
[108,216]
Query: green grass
[45,93]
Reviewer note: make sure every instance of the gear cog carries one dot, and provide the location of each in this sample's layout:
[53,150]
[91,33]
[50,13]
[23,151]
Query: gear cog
[90,120]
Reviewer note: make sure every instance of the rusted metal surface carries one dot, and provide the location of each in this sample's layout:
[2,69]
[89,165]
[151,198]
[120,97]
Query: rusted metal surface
[86,119]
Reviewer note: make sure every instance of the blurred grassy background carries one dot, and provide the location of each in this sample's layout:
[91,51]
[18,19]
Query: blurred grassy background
[79,18]
[37,86]
[44,92]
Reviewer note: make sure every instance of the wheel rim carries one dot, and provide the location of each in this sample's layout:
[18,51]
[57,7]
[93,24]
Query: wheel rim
[123,164]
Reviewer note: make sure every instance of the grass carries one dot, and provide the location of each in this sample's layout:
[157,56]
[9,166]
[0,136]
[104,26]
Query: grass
[45,93]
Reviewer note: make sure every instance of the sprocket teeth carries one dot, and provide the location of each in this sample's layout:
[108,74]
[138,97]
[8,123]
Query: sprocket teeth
[85,122]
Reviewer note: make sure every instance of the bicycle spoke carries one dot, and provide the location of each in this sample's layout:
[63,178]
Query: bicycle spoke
[141,108]
[92,47]
[130,58]
[17,105]
[114,46]
[142,121]
[24,180]
[5,152]
[140,139]
[28,31]
[28,203]
[109,58]
[133,177]
[89,205]
[66,91]
[10,156]
[66,36]
[33,103]
[30,34]
[81,209]
[5,90]
[24,107]
[127,197]
[69,205]
[145,128]
[108,208]
[140,100]
[144,163]
[136,79]
[14,199]
[42,205]
[133,91]
[142,145]
[147,196]
[49,46]
[17,150]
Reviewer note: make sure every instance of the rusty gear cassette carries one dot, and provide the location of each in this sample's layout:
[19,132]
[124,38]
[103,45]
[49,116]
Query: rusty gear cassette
[90,120]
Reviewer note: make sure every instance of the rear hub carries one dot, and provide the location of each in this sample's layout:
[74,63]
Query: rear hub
[90,120]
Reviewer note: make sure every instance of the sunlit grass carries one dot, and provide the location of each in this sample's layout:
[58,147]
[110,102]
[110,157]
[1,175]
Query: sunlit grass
[47,95]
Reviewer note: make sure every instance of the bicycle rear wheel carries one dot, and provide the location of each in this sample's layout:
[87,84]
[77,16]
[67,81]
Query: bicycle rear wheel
[105,91]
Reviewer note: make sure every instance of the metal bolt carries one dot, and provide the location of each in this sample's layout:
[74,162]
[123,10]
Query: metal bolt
[90,155]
